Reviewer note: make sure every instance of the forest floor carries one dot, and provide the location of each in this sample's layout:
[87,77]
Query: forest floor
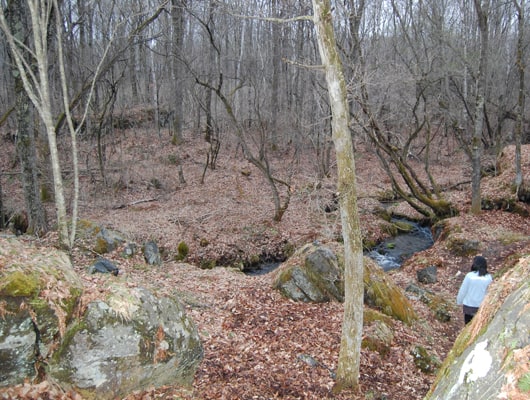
[257,344]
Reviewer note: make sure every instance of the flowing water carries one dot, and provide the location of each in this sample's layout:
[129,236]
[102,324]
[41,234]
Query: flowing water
[391,253]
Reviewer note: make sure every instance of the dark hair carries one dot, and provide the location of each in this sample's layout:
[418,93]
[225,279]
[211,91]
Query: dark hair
[480,265]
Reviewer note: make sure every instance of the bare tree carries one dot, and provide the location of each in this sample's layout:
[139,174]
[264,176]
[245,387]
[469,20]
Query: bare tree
[38,88]
[482,9]
[257,157]
[37,224]
[520,61]
[177,23]
[33,65]
[350,350]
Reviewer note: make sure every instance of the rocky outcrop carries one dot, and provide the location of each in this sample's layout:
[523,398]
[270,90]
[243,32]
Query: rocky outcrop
[130,341]
[490,357]
[38,294]
[127,339]
[315,274]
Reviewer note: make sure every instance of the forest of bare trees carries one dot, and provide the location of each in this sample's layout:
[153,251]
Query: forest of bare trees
[416,70]
[411,80]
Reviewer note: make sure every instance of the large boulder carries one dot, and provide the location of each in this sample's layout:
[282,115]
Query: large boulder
[129,341]
[312,274]
[315,274]
[490,357]
[39,291]
[109,343]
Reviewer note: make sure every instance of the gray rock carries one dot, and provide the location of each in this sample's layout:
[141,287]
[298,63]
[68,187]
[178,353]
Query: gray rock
[129,250]
[490,357]
[103,266]
[315,274]
[131,341]
[152,253]
[107,241]
[428,274]
[312,274]
[18,347]
[38,294]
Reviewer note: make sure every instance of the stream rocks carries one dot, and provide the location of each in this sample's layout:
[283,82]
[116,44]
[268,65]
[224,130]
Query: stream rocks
[315,274]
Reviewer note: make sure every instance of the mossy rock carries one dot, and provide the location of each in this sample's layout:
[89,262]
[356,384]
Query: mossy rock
[324,281]
[462,246]
[491,353]
[19,284]
[371,315]
[381,292]
[426,362]
[42,283]
[87,229]
[129,341]
[378,337]
[312,274]
[98,238]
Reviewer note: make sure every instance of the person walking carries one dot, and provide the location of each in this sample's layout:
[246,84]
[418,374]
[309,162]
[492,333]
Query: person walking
[473,288]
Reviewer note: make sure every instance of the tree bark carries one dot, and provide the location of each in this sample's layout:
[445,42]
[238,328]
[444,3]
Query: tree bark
[350,349]
[177,20]
[37,87]
[520,61]
[17,15]
[482,9]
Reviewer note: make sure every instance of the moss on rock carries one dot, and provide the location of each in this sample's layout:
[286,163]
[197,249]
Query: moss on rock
[426,362]
[19,284]
[381,292]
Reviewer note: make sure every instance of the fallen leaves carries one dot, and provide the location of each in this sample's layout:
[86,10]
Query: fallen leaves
[257,344]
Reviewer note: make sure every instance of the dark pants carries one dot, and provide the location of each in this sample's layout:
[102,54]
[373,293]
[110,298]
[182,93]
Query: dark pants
[469,313]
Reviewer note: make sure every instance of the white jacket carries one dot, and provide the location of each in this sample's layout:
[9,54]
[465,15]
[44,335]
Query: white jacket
[473,289]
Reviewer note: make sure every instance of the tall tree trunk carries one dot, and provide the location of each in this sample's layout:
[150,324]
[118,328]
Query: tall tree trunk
[350,349]
[520,60]
[28,160]
[2,214]
[37,86]
[275,79]
[73,133]
[37,224]
[482,9]
[177,20]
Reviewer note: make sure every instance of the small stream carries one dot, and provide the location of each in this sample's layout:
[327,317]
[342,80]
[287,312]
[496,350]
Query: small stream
[264,269]
[391,253]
